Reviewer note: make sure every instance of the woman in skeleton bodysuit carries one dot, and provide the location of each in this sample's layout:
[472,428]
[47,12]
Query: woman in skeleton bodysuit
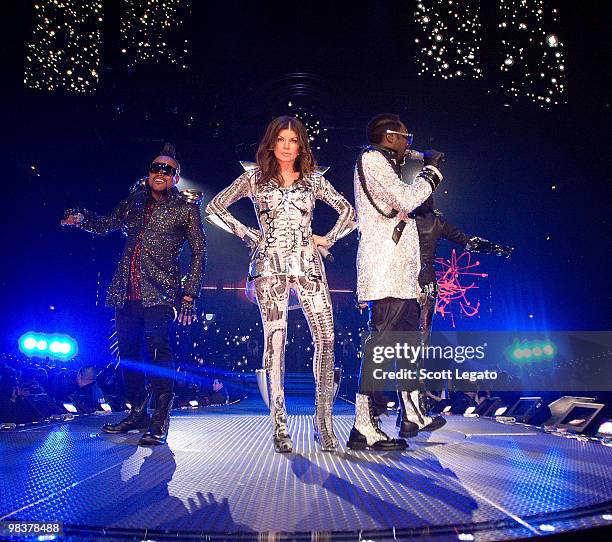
[283,189]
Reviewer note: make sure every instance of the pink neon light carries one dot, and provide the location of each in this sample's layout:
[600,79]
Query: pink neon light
[452,292]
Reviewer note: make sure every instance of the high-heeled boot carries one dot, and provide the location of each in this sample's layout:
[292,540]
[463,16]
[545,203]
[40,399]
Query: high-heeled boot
[157,433]
[137,418]
[278,414]
[322,421]
[366,432]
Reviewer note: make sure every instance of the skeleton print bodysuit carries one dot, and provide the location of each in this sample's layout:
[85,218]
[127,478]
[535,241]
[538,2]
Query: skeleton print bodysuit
[285,258]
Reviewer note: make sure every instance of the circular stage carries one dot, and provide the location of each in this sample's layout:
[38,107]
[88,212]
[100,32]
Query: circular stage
[219,478]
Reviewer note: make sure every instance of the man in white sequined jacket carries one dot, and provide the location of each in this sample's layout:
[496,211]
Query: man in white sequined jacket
[388,265]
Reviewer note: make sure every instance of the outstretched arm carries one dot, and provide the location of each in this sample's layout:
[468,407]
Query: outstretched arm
[452,233]
[217,213]
[473,243]
[98,224]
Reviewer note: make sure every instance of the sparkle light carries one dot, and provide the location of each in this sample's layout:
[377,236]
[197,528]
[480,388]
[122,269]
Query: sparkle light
[448,44]
[153,32]
[532,62]
[64,52]
[317,135]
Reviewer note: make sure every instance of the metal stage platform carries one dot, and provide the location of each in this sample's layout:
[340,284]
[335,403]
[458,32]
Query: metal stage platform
[475,479]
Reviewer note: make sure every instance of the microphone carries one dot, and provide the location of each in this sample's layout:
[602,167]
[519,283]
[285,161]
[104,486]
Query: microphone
[413,154]
[326,254]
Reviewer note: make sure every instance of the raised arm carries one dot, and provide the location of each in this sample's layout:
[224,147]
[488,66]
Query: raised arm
[384,185]
[217,213]
[346,219]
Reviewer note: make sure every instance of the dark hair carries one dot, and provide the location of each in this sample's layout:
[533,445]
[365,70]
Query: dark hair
[169,150]
[267,162]
[87,370]
[380,124]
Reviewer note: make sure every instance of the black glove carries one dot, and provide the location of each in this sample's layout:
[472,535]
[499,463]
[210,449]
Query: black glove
[478,244]
[427,275]
[187,312]
[433,158]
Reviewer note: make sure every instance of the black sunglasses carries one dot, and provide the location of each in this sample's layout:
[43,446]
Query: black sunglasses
[161,167]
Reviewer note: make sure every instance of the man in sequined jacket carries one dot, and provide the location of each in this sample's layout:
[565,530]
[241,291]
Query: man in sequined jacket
[146,286]
[388,265]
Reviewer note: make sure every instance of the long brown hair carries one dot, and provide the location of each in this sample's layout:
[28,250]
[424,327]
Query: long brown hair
[268,164]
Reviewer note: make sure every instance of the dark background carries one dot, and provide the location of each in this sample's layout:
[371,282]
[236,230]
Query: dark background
[354,62]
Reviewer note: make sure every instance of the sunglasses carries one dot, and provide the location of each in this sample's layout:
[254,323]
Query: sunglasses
[409,137]
[161,167]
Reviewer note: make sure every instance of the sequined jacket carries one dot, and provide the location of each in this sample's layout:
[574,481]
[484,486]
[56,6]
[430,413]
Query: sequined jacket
[385,268]
[283,244]
[174,220]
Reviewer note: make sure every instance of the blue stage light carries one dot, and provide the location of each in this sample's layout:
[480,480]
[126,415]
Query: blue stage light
[29,343]
[44,345]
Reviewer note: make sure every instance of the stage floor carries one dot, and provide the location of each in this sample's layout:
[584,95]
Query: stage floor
[219,474]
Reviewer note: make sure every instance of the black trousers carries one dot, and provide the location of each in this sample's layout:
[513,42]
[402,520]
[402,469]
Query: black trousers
[387,315]
[136,323]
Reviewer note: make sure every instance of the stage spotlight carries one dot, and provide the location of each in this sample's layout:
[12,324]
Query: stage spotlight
[447,409]
[500,411]
[488,406]
[560,407]
[29,343]
[581,418]
[530,350]
[194,403]
[605,429]
[54,346]
[70,408]
[106,407]
[469,412]
[524,409]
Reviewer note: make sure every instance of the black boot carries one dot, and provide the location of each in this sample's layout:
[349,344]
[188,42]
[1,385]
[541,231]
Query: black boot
[157,433]
[138,418]
[413,418]
[366,432]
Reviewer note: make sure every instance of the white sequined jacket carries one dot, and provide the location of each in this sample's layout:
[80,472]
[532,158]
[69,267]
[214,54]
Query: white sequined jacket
[384,268]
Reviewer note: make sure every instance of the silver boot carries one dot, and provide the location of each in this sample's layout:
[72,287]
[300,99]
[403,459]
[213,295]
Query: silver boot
[366,432]
[278,414]
[414,419]
[322,421]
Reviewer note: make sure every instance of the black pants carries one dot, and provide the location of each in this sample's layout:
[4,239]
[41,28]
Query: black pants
[387,315]
[135,323]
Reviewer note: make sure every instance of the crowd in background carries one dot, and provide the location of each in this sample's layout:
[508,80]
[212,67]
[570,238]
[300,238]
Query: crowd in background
[35,389]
